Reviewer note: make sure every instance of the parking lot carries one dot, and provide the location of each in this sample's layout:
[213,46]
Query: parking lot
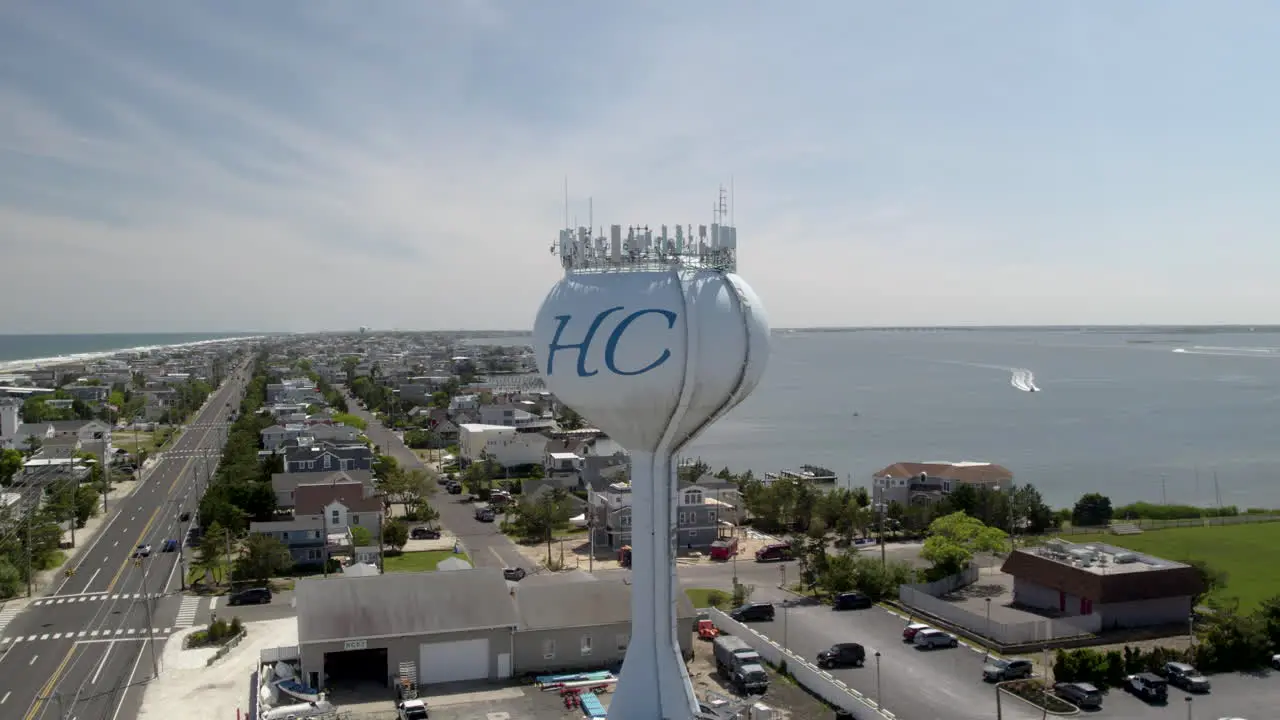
[947,684]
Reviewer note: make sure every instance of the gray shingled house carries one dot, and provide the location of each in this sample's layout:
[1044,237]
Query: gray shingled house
[462,625]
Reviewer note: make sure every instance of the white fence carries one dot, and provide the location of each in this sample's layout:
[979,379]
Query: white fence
[819,682]
[277,654]
[951,583]
[1004,633]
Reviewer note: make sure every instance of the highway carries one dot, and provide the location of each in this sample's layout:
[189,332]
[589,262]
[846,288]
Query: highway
[84,650]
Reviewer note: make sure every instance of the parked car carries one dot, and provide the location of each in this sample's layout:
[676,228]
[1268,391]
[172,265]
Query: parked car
[753,612]
[454,487]
[170,545]
[1186,677]
[777,552]
[412,710]
[514,574]
[998,670]
[842,655]
[185,516]
[142,551]
[1082,694]
[251,596]
[1148,686]
[421,533]
[933,638]
[851,601]
[909,632]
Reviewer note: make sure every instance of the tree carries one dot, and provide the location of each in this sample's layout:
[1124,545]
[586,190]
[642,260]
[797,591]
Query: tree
[384,466]
[395,534]
[210,555]
[1092,509]
[538,518]
[408,487]
[1031,514]
[954,539]
[10,463]
[262,558]
[425,513]
[361,536]
[1211,579]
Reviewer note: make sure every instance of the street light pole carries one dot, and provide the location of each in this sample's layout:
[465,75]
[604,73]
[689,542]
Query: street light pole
[986,645]
[1188,707]
[879,705]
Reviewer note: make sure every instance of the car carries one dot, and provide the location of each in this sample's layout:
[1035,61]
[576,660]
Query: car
[753,612]
[142,551]
[851,601]
[1148,686]
[514,574]
[999,670]
[842,655]
[411,710]
[251,596]
[1186,677]
[777,552]
[1082,694]
[170,545]
[909,632]
[185,516]
[934,638]
[421,533]
[1275,661]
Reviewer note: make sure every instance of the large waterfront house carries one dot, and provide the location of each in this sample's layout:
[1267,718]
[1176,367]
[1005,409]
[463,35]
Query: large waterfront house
[923,483]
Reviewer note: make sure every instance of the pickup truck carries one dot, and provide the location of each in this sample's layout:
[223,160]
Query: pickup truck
[411,710]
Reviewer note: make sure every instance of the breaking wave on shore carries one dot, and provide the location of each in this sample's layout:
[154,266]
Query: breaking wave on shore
[1023,379]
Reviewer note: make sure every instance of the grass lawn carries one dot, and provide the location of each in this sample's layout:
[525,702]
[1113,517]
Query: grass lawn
[701,597]
[418,561]
[1246,553]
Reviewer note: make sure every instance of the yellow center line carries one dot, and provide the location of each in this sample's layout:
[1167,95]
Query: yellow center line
[147,528]
[53,679]
[48,686]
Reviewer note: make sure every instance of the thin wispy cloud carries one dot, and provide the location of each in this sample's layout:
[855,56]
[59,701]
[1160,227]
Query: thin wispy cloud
[311,164]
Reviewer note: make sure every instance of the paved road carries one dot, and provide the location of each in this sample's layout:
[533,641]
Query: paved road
[78,652]
[485,545]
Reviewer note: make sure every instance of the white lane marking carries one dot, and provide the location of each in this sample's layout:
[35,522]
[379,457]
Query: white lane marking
[6,697]
[102,664]
[44,636]
[213,603]
[33,660]
[115,544]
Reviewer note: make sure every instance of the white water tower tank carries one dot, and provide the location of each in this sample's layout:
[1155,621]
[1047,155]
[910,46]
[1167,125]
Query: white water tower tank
[652,353]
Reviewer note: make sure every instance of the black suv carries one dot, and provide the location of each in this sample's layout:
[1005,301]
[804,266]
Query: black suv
[851,601]
[251,596]
[421,533]
[842,655]
[758,612]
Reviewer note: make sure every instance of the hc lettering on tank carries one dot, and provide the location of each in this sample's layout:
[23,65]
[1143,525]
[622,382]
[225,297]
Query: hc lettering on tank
[611,344]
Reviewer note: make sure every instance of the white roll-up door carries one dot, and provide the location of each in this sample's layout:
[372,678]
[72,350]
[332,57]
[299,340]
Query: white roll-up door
[443,662]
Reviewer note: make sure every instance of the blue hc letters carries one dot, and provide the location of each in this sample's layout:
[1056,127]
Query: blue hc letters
[610,346]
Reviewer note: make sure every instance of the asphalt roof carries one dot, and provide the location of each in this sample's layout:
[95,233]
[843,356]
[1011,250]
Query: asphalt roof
[339,608]
[580,604]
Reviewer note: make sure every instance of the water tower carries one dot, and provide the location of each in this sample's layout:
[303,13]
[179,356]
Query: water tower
[651,336]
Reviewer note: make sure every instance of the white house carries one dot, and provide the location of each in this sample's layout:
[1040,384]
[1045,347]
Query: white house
[504,444]
[276,435]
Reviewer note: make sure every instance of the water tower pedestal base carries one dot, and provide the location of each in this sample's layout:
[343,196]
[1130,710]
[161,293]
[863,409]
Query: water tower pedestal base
[654,684]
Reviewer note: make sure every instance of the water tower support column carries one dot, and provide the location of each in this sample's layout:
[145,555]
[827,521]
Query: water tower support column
[653,660]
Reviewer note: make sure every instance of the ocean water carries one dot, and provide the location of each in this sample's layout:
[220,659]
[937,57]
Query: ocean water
[1136,416]
[30,347]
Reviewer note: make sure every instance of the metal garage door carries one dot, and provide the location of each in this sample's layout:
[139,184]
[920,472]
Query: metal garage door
[453,661]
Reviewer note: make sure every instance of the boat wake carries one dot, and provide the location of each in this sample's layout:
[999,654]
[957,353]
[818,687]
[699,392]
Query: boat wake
[1023,379]
[1258,352]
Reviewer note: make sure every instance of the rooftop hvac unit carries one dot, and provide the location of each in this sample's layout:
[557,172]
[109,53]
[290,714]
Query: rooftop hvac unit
[1056,546]
[1125,558]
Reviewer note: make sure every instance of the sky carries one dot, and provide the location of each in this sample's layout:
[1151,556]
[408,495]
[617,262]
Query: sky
[301,165]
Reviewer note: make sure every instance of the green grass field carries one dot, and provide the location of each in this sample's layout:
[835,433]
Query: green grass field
[1246,553]
[702,597]
[423,561]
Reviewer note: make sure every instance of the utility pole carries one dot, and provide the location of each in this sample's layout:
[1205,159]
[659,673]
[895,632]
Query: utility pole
[151,632]
[106,476]
[30,580]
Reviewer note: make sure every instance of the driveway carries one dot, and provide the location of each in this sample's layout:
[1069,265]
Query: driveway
[485,545]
